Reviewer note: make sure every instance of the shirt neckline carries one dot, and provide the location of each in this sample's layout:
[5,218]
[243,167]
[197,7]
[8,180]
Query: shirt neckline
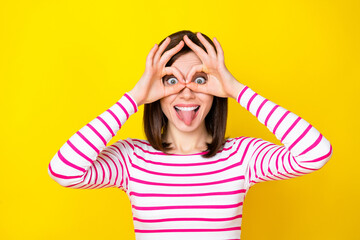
[192,154]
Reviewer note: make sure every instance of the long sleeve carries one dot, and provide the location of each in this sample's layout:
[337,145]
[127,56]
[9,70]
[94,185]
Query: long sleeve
[85,161]
[304,148]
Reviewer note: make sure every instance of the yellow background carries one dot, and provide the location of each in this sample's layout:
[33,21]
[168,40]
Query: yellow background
[62,63]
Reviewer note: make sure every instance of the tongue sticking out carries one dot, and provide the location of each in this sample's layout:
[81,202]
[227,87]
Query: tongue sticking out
[187,116]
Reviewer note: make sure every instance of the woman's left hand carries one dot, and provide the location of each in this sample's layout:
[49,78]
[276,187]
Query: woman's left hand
[220,82]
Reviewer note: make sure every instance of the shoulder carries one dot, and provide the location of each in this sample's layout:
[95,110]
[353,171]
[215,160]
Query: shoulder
[128,144]
[139,146]
[239,140]
[243,142]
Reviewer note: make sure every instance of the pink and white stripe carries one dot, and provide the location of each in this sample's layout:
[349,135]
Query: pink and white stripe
[305,149]
[175,196]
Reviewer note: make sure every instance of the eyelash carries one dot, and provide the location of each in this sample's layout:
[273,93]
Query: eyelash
[173,77]
[166,80]
[202,78]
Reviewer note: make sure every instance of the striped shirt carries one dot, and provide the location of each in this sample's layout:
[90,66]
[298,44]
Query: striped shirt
[175,196]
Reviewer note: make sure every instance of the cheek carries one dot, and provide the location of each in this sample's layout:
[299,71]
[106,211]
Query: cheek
[165,105]
[209,105]
[209,101]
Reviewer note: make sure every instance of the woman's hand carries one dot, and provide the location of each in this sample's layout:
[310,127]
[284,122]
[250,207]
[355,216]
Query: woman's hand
[150,87]
[220,81]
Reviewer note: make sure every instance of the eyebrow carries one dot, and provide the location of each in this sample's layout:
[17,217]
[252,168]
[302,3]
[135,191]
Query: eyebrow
[200,73]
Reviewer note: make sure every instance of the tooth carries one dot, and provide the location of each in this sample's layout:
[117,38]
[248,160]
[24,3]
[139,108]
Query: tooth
[186,108]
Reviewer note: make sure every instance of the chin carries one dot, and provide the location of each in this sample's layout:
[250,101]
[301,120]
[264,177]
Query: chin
[185,128]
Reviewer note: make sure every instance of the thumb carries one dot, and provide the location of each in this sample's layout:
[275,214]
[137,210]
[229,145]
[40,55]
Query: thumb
[169,90]
[202,88]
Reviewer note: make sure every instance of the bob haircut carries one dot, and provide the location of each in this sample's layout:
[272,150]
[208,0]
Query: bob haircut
[156,123]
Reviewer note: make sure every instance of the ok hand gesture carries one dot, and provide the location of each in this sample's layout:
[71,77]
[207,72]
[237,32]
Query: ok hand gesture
[220,81]
[150,87]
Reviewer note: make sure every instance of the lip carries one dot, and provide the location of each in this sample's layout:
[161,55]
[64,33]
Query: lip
[177,114]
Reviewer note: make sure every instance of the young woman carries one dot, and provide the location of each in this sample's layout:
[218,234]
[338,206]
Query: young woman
[187,181]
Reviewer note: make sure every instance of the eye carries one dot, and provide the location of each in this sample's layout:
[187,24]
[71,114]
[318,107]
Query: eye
[171,80]
[200,80]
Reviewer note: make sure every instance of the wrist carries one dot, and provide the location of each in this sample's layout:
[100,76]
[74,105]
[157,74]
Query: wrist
[137,97]
[236,88]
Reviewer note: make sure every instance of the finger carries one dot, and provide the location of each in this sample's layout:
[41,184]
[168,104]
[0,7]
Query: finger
[174,89]
[174,71]
[220,52]
[209,48]
[198,50]
[150,56]
[194,69]
[197,87]
[161,49]
[168,54]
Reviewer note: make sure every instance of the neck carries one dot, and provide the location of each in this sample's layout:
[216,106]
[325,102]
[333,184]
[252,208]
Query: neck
[187,142]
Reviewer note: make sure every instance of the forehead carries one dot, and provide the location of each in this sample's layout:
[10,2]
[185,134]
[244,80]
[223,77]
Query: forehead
[185,62]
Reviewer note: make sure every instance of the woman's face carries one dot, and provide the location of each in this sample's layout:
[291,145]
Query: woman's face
[186,110]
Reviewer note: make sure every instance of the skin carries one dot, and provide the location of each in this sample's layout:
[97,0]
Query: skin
[184,138]
[220,82]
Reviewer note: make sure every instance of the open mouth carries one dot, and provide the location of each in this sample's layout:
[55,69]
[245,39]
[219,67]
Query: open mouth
[196,108]
[187,114]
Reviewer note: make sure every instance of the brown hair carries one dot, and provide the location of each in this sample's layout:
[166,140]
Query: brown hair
[155,121]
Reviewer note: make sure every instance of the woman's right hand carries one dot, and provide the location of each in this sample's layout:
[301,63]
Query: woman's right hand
[150,87]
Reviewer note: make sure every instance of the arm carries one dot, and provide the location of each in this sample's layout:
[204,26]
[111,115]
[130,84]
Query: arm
[85,161]
[305,149]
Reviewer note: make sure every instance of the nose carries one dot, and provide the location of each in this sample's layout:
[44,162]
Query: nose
[186,93]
